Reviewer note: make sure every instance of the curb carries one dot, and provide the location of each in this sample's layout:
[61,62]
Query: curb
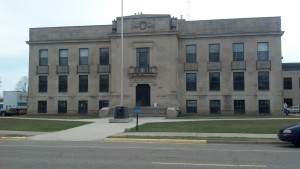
[156,140]
[13,138]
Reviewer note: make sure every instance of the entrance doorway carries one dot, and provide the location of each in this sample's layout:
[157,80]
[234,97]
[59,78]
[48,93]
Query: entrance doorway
[143,95]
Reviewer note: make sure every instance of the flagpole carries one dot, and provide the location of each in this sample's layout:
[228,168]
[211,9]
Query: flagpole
[122,55]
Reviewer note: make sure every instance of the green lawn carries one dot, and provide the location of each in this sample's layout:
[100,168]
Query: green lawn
[37,125]
[219,126]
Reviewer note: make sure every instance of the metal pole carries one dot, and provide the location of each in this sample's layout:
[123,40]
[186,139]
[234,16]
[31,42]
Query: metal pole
[122,55]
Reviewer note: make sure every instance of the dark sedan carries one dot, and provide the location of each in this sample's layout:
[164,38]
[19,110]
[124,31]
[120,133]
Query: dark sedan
[290,134]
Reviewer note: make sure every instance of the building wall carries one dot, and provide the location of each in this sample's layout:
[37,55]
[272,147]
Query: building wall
[294,92]
[166,39]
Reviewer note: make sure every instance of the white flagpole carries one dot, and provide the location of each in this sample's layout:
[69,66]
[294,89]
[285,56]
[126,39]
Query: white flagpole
[122,55]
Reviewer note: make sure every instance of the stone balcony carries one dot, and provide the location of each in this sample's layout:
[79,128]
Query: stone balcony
[42,70]
[238,65]
[83,68]
[103,68]
[263,65]
[142,71]
[62,69]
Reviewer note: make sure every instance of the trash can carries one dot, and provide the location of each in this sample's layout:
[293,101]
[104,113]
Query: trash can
[121,112]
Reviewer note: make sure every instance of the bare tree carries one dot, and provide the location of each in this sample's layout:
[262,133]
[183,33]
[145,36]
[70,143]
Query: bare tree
[22,84]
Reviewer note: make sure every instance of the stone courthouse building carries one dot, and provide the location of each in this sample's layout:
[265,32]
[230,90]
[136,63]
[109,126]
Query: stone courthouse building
[226,66]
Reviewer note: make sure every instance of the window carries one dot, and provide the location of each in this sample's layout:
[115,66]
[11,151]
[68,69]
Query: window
[264,106]
[238,81]
[62,106]
[82,106]
[103,103]
[238,52]
[190,53]
[42,106]
[43,83]
[262,51]
[263,80]
[142,58]
[43,57]
[63,83]
[239,106]
[288,101]
[104,83]
[214,53]
[83,56]
[214,106]
[287,83]
[104,56]
[191,106]
[63,57]
[214,81]
[83,83]
[191,82]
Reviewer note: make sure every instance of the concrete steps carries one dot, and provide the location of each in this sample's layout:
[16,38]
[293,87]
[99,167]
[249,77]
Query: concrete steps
[145,112]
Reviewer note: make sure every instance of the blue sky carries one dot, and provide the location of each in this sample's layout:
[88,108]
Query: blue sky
[17,16]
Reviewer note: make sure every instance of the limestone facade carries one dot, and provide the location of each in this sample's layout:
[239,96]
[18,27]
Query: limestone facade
[204,67]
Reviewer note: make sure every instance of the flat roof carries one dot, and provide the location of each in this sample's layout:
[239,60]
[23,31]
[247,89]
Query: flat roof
[290,66]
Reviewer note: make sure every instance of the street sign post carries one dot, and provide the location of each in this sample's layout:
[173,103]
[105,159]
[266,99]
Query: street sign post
[137,111]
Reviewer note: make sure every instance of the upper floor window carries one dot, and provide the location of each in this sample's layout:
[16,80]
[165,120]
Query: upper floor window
[190,53]
[83,83]
[191,82]
[214,52]
[142,57]
[238,81]
[43,57]
[63,83]
[104,83]
[43,83]
[238,52]
[214,81]
[63,57]
[262,51]
[83,56]
[104,56]
[263,80]
[287,83]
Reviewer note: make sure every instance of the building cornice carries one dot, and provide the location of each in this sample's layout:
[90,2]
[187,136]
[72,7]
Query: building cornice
[231,35]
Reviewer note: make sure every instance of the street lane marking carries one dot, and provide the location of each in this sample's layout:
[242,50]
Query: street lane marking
[210,165]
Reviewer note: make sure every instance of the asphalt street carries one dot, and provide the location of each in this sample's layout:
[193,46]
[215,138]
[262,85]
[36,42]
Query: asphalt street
[128,155]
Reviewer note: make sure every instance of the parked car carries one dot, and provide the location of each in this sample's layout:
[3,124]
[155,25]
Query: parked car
[290,134]
[293,109]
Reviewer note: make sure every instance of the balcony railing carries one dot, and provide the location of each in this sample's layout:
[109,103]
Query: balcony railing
[191,66]
[142,71]
[83,68]
[103,68]
[42,70]
[62,69]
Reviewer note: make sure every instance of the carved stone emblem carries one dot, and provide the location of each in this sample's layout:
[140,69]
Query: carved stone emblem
[143,25]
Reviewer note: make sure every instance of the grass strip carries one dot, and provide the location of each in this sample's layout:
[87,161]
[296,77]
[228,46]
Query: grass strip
[37,125]
[261,126]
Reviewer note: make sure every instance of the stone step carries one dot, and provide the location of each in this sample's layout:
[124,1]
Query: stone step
[144,112]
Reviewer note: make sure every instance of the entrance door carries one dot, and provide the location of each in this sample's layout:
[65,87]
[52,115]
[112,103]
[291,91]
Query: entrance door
[143,95]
